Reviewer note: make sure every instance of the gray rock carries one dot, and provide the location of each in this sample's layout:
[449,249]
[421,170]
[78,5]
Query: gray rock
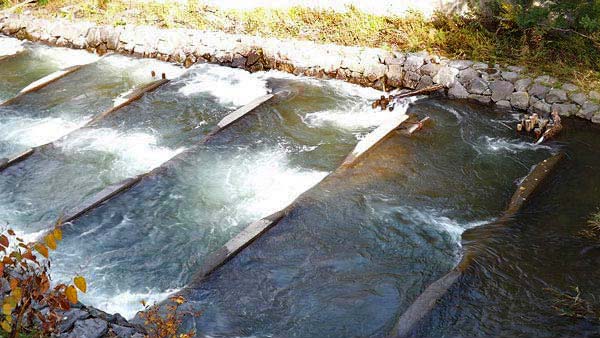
[569,87]
[394,61]
[122,331]
[545,80]
[491,74]
[457,91]
[460,64]
[480,65]
[541,107]
[522,84]
[538,91]
[70,317]
[411,79]
[446,76]
[556,96]
[510,76]
[238,61]
[579,98]
[478,86]
[394,75]
[374,71]
[430,69]
[425,81]
[501,90]
[594,95]
[520,100]
[588,110]
[565,109]
[467,75]
[89,328]
[503,104]
[481,98]
[515,69]
[413,63]
[596,118]
[252,58]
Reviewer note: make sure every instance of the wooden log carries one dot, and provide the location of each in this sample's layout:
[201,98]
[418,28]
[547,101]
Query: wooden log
[384,102]
[429,298]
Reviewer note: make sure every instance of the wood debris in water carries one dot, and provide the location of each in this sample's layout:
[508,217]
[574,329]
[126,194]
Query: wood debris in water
[543,128]
[390,101]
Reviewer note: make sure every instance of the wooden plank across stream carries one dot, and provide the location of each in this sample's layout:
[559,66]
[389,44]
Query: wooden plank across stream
[113,190]
[126,100]
[256,229]
[429,298]
[43,82]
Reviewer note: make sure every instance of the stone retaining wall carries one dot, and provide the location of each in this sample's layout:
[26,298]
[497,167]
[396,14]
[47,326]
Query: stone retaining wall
[507,87]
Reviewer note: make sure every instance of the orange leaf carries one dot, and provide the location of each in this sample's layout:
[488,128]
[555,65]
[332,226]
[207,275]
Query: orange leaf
[5,326]
[50,241]
[42,249]
[29,255]
[13,283]
[11,232]
[71,294]
[3,240]
[80,283]
[58,234]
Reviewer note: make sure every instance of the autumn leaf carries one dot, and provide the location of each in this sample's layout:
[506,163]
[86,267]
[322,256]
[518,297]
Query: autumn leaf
[14,283]
[42,249]
[178,299]
[16,292]
[80,283]
[11,300]
[57,234]
[11,232]
[5,326]
[7,309]
[71,294]
[50,241]
[3,240]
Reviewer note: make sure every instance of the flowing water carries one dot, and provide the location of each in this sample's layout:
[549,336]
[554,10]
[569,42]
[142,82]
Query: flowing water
[21,63]
[355,250]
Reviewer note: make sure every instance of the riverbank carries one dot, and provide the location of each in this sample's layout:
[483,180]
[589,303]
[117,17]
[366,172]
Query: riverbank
[507,87]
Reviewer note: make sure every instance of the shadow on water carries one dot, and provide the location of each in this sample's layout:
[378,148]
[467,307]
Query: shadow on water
[513,288]
[359,247]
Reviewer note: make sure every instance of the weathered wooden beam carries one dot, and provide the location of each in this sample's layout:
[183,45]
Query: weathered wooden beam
[43,82]
[135,95]
[373,138]
[429,298]
[114,190]
[128,99]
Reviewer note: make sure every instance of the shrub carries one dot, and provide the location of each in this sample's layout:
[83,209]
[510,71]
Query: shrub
[24,269]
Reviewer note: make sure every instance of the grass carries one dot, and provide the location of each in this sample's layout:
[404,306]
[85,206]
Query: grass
[570,58]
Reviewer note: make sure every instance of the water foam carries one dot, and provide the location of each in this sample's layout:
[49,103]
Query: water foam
[10,46]
[253,183]
[357,117]
[126,303]
[498,144]
[140,69]
[135,152]
[32,132]
[232,87]
[63,57]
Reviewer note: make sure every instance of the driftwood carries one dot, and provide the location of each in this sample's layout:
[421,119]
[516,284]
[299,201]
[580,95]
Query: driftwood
[388,102]
[544,129]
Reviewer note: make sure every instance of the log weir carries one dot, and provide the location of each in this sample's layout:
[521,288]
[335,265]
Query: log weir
[429,298]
